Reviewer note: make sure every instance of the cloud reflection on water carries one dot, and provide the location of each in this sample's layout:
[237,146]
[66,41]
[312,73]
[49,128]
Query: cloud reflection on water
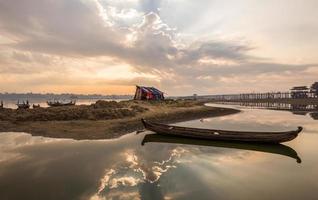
[133,171]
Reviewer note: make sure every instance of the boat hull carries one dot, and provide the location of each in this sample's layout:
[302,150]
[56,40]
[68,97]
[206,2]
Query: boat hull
[222,135]
[23,106]
[58,104]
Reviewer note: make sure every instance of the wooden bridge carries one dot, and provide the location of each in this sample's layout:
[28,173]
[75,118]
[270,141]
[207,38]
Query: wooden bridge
[253,96]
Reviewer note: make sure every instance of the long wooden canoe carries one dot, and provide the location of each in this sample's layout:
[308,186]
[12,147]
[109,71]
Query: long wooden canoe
[279,149]
[214,134]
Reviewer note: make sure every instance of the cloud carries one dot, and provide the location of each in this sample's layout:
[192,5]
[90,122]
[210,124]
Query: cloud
[75,27]
[58,27]
[71,36]
[150,6]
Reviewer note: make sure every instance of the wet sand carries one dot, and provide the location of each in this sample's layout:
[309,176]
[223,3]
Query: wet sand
[102,120]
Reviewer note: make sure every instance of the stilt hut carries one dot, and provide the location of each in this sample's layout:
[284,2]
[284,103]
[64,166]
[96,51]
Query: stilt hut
[148,93]
[314,88]
[299,92]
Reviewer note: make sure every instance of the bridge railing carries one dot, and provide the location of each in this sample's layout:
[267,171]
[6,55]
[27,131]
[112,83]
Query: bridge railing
[255,96]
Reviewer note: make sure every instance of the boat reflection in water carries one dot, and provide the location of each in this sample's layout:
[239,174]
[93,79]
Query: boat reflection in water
[267,148]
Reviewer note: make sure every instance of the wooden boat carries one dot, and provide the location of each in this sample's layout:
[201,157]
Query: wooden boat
[213,134]
[36,106]
[60,103]
[279,149]
[23,105]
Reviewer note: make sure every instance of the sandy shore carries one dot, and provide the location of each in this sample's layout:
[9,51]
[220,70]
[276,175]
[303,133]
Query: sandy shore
[102,120]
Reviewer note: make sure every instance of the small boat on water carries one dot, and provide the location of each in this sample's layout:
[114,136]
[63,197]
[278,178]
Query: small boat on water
[223,135]
[23,105]
[56,103]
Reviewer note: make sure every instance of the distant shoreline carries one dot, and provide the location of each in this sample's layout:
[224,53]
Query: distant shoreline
[103,120]
[48,96]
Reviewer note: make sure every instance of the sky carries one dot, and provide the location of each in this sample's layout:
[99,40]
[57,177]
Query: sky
[180,46]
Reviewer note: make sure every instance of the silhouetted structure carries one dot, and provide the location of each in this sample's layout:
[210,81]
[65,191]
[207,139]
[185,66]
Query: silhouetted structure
[23,105]
[299,92]
[314,89]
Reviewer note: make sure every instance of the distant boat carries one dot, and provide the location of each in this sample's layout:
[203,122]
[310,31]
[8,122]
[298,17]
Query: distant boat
[56,103]
[223,135]
[36,106]
[23,105]
[74,96]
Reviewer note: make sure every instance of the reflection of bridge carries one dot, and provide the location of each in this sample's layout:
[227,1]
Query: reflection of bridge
[276,106]
[298,109]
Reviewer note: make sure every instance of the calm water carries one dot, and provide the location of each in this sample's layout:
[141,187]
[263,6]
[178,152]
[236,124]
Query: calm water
[295,108]
[43,102]
[146,166]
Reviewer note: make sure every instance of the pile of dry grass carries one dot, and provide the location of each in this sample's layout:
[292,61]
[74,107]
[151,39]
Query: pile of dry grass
[101,110]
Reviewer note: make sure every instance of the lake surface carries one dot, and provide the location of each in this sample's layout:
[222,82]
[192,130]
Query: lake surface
[147,166]
[43,102]
[298,109]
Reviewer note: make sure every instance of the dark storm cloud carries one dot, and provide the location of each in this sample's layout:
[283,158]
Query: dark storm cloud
[59,27]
